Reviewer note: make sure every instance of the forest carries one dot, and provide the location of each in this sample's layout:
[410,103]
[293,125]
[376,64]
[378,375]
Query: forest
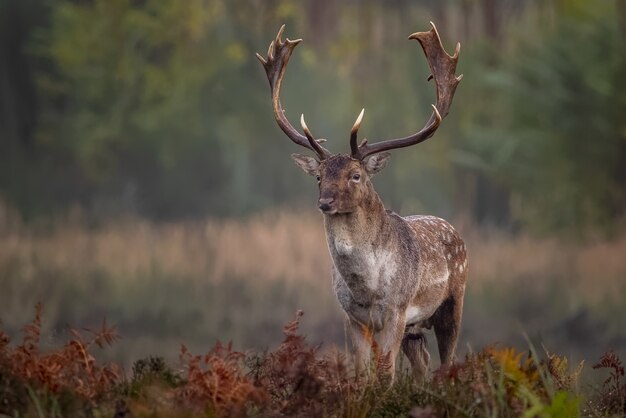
[161,109]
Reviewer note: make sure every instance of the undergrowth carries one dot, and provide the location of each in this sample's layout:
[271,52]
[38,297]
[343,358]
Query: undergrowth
[295,379]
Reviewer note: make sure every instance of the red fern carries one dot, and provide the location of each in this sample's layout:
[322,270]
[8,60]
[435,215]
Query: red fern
[299,380]
[71,368]
[216,380]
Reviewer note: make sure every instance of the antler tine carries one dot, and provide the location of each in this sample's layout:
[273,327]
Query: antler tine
[353,133]
[278,55]
[314,143]
[442,67]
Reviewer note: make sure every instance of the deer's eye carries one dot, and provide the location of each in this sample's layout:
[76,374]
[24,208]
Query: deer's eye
[356,177]
[318,178]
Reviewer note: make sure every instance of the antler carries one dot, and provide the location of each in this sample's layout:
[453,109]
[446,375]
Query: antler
[442,67]
[277,57]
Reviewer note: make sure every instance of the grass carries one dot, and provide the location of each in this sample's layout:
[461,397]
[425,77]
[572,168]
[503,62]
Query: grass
[239,279]
[282,246]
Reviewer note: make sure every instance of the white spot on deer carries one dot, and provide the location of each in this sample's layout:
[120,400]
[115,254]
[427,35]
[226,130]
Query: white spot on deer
[413,314]
[449,256]
[343,247]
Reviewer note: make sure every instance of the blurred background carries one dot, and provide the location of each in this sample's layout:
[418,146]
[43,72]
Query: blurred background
[143,177]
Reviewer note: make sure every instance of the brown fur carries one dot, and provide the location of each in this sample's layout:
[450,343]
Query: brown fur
[385,265]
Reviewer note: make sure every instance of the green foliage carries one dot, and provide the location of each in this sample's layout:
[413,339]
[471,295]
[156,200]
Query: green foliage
[159,108]
[563,405]
[134,81]
[125,80]
[554,133]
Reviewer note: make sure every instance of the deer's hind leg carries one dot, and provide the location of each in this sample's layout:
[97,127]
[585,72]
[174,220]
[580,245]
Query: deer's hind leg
[414,346]
[447,324]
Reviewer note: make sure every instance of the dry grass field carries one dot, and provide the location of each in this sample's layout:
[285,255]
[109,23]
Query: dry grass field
[194,282]
[283,246]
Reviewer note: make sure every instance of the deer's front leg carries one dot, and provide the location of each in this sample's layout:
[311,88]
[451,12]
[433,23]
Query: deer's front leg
[368,314]
[389,340]
[361,337]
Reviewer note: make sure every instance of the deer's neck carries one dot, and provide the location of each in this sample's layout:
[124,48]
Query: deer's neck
[354,234]
[361,246]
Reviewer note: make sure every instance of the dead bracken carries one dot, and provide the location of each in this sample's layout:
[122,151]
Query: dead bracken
[295,379]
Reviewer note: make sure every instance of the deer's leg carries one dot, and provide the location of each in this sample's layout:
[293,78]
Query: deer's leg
[389,340]
[447,324]
[414,346]
[361,338]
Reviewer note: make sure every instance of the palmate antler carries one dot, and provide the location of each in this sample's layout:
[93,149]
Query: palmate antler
[278,56]
[442,67]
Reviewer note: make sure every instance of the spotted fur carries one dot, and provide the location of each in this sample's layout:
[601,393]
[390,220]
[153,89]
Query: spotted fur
[394,276]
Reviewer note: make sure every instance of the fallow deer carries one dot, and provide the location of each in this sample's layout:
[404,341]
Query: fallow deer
[394,276]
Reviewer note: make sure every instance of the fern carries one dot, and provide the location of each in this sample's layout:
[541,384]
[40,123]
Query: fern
[295,379]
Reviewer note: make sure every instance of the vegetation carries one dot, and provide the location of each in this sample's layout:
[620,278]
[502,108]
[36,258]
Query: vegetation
[295,379]
[163,283]
[143,179]
[161,110]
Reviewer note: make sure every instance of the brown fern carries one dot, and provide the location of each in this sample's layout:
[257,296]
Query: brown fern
[558,369]
[70,369]
[299,380]
[216,381]
[611,399]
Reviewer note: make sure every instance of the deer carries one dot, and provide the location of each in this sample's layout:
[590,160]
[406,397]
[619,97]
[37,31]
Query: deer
[395,277]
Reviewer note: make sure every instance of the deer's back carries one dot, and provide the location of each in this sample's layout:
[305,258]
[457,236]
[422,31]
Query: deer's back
[442,267]
[437,238]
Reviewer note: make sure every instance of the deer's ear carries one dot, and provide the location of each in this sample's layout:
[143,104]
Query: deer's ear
[308,164]
[376,162]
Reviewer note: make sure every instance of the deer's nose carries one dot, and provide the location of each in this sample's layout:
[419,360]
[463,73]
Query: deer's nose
[325,203]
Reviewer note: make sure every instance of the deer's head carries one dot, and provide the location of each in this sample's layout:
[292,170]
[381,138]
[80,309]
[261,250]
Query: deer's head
[344,180]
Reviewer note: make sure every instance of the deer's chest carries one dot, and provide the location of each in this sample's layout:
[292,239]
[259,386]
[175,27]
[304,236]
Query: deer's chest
[363,267]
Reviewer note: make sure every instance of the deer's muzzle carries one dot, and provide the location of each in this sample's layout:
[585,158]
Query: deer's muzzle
[325,203]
